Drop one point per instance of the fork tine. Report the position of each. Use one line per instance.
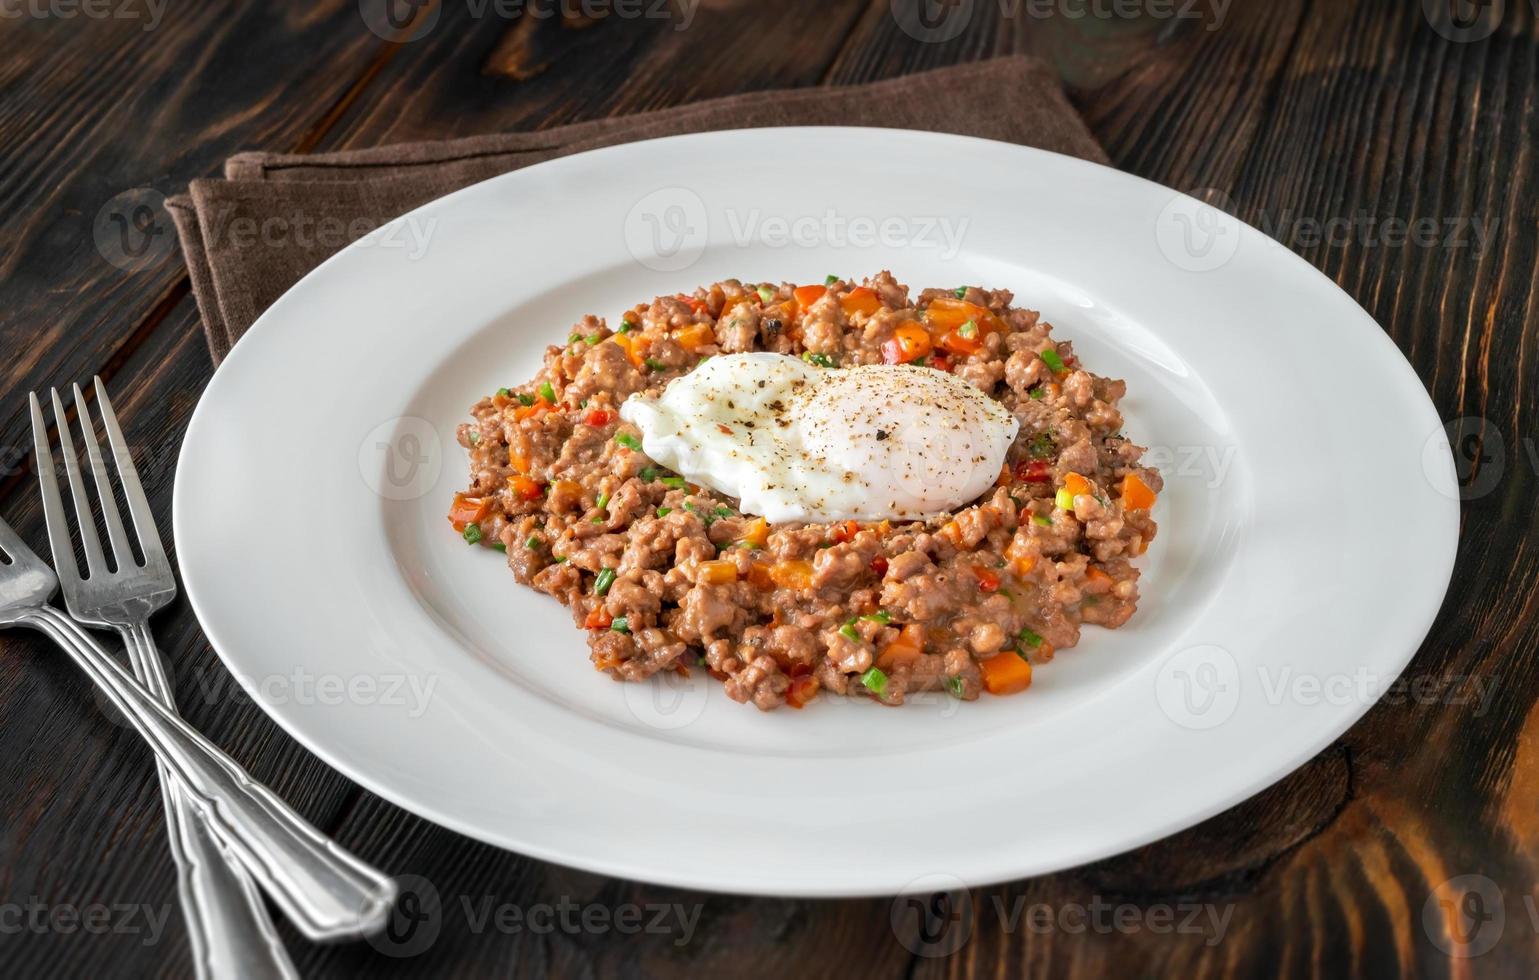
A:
(53, 502)
(11, 544)
(138, 505)
(122, 554)
(96, 562)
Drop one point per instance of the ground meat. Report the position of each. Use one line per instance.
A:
(663, 575)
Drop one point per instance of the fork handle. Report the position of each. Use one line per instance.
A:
(326, 891)
(228, 925)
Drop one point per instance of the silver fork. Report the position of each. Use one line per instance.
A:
(326, 891)
(228, 925)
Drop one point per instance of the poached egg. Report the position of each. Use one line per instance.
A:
(795, 442)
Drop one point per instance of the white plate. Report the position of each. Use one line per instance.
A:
(1306, 536)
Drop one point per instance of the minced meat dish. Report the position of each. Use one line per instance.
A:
(665, 575)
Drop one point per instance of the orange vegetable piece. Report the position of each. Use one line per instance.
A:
(1098, 576)
(759, 576)
(628, 344)
(909, 342)
(862, 299)
(717, 573)
(907, 648)
(1005, 673)
(792, 574)
(1136, 494)
(1077, 484)
(845, 532)
(988, 581)
(756, 533)
(946, 314)
(802, 690)
(524, 412)
(468, 510)
(695, 336)
(526, 488)
(807, 295)
(598, 619)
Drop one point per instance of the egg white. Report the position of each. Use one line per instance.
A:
(798, 443)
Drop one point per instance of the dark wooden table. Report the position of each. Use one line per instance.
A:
(1301, 111)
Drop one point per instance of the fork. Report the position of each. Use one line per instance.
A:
(327, 892)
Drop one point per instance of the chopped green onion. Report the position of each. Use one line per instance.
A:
(603, 501)
(1050, 355)
(724, 511)
(918, 362)
(820, 360)
(526, 400)
(654, 364)
(766, 294)
(830, 280)
(1036, 393)
(664, 511)
(590, 341)
(475, 437)
(574, 337)
(875, 681)
(548, 393)
(606, 578)
(649, 473)
(1042, 446)
(561, 560)
(499, 546)
(969, 329)
(954, 685)
(677, 482)
(1064, 499)
(505, 392)
(849, 632)
(1030, 638)
(626, 326)
(620, 625)
(534, 542)
(472, 533)
(881, 617)
(628, 441)
(961, 292)
(707, 519)
(1044, 521)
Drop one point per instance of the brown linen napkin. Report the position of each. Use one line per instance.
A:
(250, 236)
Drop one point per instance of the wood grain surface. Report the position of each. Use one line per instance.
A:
(1408, 848)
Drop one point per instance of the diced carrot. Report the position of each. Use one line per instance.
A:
(524, 412)
(526, 488)
(696, 304)
(598, 619)
(1005, 673)
(1004, 476)
(1024, 565)
(599, 417)
(909, 342)
(953, 342)
(988, 580)
(862, 299)
(756, 533)
(519, 461)
(632, 350)
(695, 336)
(802, 690)
(1077, 485)
(895, 653)
(1098, 576)
(946, 314)
(807, 295)
(792, 574)
(759, 576)
(1136, 494)
(717, 573)
(843, 533)
(468, 510)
